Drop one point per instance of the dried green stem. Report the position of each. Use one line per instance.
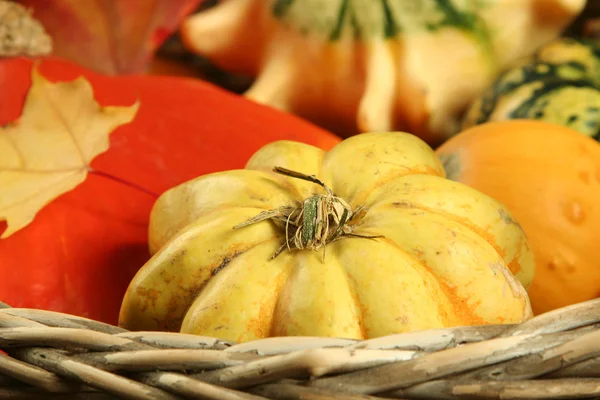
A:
(315, 222)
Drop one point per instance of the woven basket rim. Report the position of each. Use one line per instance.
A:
(552, 355)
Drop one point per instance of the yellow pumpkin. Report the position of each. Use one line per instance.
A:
(442, 257)
(366, 65)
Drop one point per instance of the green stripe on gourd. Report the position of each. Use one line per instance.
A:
(366, 19)
(582, 52)
(560, 84)
(571, 104)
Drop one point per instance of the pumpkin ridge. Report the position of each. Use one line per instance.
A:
(316, 292)
(459, 314)
(183, 204)
(352, 285)
(304, 158)
(480, 212)
(270, 314)
(359, 200)
(272, 328)
(255, 325)
(194, 291)
(361, 310)
(225, 208)
(421, 263)
(449, 279)
(462, 221)
(172, 260)
(204, 214)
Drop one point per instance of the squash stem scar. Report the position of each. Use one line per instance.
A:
(314, 222)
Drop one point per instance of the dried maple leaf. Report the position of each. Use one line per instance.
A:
(48, 151)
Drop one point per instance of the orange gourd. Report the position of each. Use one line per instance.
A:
(366, 65)
(549, 178)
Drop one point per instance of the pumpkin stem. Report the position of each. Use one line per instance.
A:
(315, 222)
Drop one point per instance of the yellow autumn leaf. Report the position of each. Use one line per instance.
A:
(48, 150)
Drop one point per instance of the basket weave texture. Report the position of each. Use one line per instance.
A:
(51, 355)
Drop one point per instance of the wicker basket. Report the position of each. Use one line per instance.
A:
(57, 356)
(51, 355)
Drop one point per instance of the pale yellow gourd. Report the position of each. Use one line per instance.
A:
(374, 65)
(445, 258)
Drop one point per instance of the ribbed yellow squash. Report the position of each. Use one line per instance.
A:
(445, 258)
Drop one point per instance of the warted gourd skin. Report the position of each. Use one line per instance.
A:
(560, 84)
(363, 65)
(400, 248)
(548, 175)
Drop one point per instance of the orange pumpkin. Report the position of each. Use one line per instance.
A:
(549, 178)
(81, 251)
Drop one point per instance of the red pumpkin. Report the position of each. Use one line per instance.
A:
(81, 250)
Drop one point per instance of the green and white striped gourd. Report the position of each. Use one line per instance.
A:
(559, 84)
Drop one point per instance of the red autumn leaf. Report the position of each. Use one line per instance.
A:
(81, 250)
(109, 36)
